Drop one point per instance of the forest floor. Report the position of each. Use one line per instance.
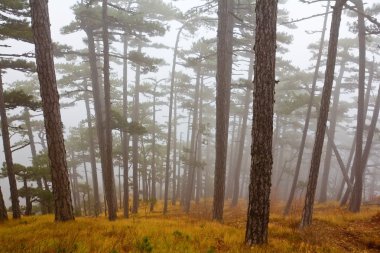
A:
(334, 229)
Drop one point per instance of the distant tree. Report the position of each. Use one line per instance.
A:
(3, 210)
(308, 115)
(307, 213)
(223, 93)
(262, 128)
(51, 109)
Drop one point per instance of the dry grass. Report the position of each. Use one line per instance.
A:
(334, 230)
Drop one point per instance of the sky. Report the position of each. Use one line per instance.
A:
(61, 15)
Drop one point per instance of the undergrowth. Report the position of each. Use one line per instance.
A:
(334, 230)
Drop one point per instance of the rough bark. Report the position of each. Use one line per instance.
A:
(307, 120)
(223, 93)
(8, 155)
(109, 183)
(332, 119)
(51, 110)
(262, 128)
(307, 213)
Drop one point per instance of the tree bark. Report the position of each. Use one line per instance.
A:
(51, 110)
(262, 128)
(333, 116)
(109, 173)
(307, 120)
(307, 213)
(8, 155)
(3, 209)
(223, 93)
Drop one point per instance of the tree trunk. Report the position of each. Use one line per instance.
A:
(8, 155)
(232, 147)
(135, 139)
(192, 156)
(307, 120)
(223, 93)
(307, 213)
(247, 100)
(172, 87)
(125, 138)
(199, 147)
(356, 196)
(153, 197)
(95, 184)
(51, 109)
(333, 116)
(262, 128)
(109, 173)
(88, 188)
(355, 200)
(3, 209)
(175, 174)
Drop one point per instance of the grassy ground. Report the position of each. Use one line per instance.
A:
(334, 230)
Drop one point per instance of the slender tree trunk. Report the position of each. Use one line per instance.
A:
(307, 120)
(75, 188)
(109, 173)
(125, 138)
(232, 147)
(356, 196)
(192, 159)
(135, 139)
(95, 184)
(171, 96)
(8, 155)
(307, 213)
(223, 93)
(187, 167)
(3, 209)
(262, 128)
(356, 201)
(199, 147)
(28, 203)
(175, 175)
(88, 188)
(333, 116)
(247, 100)
(153, 197)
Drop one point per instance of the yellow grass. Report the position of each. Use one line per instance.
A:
(334, 230)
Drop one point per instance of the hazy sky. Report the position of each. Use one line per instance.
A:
(61, 14)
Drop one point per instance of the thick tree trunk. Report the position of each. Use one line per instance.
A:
(262, 129)
(356, 196)
(8, 155)
(307, 120)
(307, 213)
(333, 119)
(95, 184)
(223, 93)
(3, 209)
(125, 137)
(51, 109)
(239, 160)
